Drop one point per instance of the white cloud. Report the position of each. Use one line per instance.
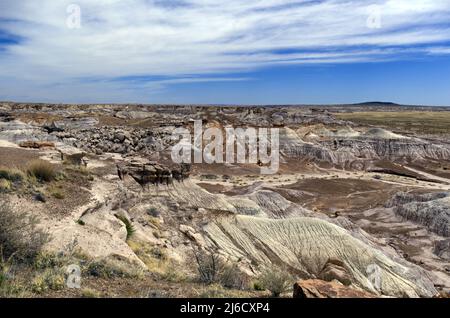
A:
(439, 50)
(190, 39)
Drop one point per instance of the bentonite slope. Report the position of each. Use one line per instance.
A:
(306, 244)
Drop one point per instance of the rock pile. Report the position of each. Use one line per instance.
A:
(117, 140)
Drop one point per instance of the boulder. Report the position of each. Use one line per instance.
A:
(335, 269)
(120, 136)
(192, 235)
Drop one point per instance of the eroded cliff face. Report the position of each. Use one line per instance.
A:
(358, 150)
(430, 210)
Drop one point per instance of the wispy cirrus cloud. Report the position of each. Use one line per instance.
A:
(199, 40)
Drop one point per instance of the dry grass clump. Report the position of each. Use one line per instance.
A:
(157, 261)
(42, 170)
(5, 185)
(213, 270)
(11, 174)
(19, 236)
(49, 279)
(57, 191)
(218, 291)
(110, 268)
(90, 293)
(275, 280)
(20, 244)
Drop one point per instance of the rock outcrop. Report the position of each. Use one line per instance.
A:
(442, 249)
(146, 172)
(430, 210)
(315, 288)
(352, 149)
(17, 131)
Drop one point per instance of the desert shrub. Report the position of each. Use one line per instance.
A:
(153, 212)
(257, 286)
(155, 258)
(13, 175)
(214, 291)
(42, 170)
(5, 185)
(19, 236)
(209, 267)
(276, 281)
(46, 260)
(111, 269)
(232, 277)
(90, 293)
(218, 291)
(39, 196)
(172, 274)
(57, 194)
(10, 287)
(130, 228)
(212, 269)
(158, 253)
(50, 279)
(102, 270)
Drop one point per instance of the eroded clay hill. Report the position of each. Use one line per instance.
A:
(359, 206)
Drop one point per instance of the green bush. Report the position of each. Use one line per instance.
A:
(158, 253)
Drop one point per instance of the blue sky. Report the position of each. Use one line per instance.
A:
(233, 52)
